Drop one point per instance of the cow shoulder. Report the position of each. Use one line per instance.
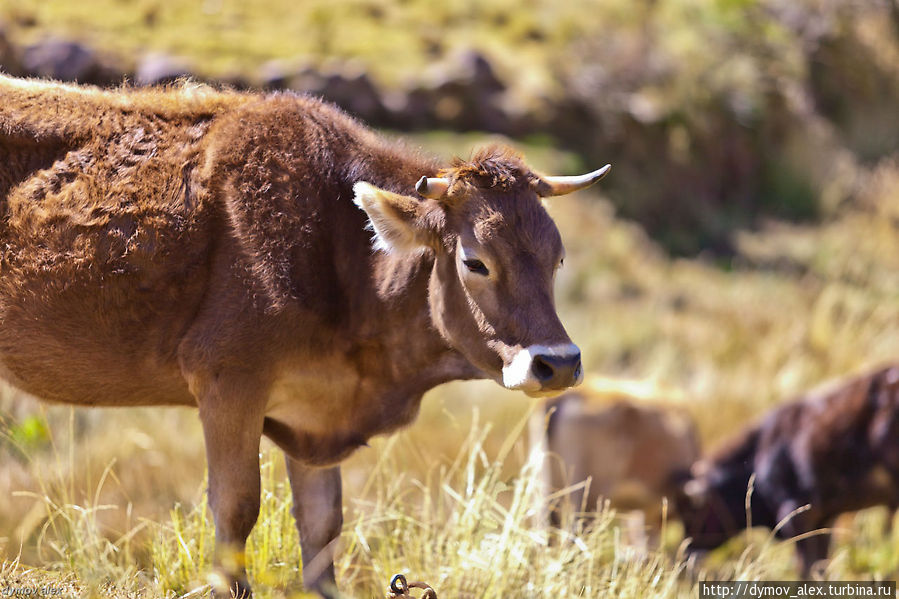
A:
(275, 169)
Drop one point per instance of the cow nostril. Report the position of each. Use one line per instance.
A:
(541, 369)
(556, 371)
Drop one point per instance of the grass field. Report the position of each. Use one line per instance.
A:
(110, 502)
(393, 41)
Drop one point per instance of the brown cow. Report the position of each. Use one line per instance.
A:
(194, 247)
(834, 451)
(632, 450)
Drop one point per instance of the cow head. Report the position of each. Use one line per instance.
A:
(496, 253)
(711, 501)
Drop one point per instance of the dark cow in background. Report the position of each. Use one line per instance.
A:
(194, 247)
(835, 451)
(630, 447)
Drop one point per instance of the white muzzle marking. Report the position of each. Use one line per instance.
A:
(519, 375)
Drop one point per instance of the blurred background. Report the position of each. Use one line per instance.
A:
(744, 248)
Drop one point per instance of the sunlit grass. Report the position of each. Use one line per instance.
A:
(466, 527)
(89, 495)
(182, 549)
(222, 37)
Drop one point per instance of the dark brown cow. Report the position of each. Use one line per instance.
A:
(193, 247)
(834, 451)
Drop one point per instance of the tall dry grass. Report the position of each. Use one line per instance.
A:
(466, 528)
(89, 495)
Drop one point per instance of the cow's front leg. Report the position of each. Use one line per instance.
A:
(813, 551)
(318, 511)
(232, 426)
(812, 540)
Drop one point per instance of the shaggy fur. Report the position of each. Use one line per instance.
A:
(493, 167)
(196, 247)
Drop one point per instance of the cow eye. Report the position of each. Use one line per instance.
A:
(476, 266)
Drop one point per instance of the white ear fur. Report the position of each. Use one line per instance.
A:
(391, 217)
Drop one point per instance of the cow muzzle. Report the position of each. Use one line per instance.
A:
(540, 370)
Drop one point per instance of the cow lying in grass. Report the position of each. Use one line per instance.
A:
(214, 249)
(833, 451)
(630, 451)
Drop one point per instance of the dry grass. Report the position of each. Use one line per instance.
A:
(90, 494)
(110, 503)
(466, 528)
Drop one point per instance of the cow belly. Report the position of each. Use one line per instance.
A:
(118, 383)
(10, 377)
(90, 345)
(99, 327)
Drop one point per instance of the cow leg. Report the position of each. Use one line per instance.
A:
(811, 549)
(892, 515)
(318, 511)
(634, 523)
(232, 428)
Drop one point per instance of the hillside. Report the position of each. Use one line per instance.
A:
(744, 248)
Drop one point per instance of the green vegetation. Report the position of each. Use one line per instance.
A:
(717, 112)
(393, 41)
(798, 305)
(709, 110)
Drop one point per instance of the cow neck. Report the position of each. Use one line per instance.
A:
(402, 298)
(396, 305)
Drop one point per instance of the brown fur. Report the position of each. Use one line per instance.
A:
(194, 247)
(835, 450)
(492, 167)
(633, 453)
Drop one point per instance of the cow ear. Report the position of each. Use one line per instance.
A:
(399, 222)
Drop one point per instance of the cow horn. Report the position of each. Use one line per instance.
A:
(557, 186)
(432, 187)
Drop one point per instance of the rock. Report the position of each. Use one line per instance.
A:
(460, 104)
(355, 93)
(469, 69)
(475, 67)
(308, 80)
(157, 69)
(461, 93)
(65, 60)
(9, 61)
(233, 80)
(410, 110)
(275, 74)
